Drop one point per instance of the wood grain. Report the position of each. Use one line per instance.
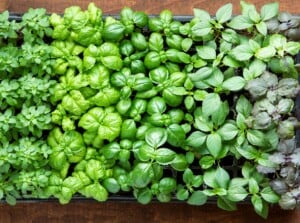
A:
(124, 212)
(178, 7)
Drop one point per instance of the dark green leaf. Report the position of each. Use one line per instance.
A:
(226, 204)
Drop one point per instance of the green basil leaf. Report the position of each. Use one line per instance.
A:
(197, 198)
(186, 44)
(182, 194)
(206, 52)
(196, 139)
(265, 53)
(214, 144)
(156, 137)
(113, 32)
(176, 135)
(159, 75)
(155, 24)
(248, 152)
(201, 14)
(234, 83)
(240, 22)
(96, 191)
(112, 62)
(224, 13)
(209, 178)
(145, 153)
(244, 106)
(156, 105)
(226, 204)
(253, 186)
(164, 156)
(269, 11)
(216, 78)
(242, 52)
(260, 207)
(292, 47)
(211, 104)
(228, 131)
(236, 193)
(269, 195)
(220, 115)
(144, 195)
(179, 163)
(156, 42)
(111, 185)
(140, 19)
(202, 124)
(188, 176)
(141, 175)
(200, 75)
(262, 28)
(167, 185)
(201, 28)
(206, 162)
(222, 178)
(257, 138)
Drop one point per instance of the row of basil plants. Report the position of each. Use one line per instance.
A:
(151, 107)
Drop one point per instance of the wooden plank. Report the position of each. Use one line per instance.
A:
(178, 7)
(121, 212)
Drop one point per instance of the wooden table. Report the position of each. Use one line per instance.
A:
(123, 212)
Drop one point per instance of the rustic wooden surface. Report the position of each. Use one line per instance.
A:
(179, 7)
(122, 212)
